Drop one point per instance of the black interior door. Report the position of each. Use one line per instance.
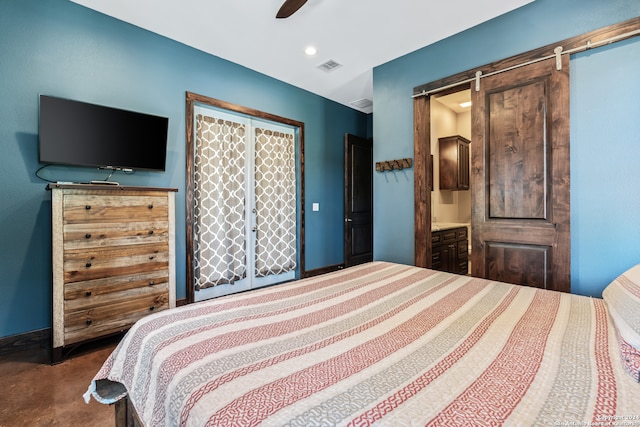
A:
(358, 200)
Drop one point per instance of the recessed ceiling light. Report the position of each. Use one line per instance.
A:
(310, 51)
(465, 104)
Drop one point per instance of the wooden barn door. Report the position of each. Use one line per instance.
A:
(520, 176)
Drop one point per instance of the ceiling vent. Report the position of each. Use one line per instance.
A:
(329, 66)
(362, 103)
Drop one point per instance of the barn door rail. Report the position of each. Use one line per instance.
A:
(557, 54)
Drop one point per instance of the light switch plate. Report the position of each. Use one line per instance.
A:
(316, 207)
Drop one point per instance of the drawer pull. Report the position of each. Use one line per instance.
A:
(150, 232)
(151, 257)
(87, 207)
(151, 282)
(88, 265)
(87, 236)
(87, 294)
(88, 322)
(150, 206)
(152, 308)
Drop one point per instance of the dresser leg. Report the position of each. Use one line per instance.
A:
(56, 355)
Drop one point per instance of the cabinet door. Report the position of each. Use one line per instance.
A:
(450, 253)
(454, 163)
(436, 258)
(463, 257)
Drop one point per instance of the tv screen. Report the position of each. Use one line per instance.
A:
(82, 134)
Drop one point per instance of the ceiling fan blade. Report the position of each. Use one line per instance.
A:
(289, 7)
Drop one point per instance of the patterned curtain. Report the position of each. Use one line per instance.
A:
(275, 188)
(219, 229)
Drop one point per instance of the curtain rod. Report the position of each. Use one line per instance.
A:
(557, 53)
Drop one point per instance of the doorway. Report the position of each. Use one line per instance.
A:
(358, 200)
(451, 201)
(244, 198)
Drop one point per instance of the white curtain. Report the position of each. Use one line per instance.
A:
(219, 229)
(275, 193)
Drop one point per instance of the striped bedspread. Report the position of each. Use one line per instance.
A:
(376, 344)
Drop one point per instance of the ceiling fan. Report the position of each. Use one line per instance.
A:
(289, 7)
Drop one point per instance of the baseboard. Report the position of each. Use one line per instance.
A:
(40, 338)
(25, 341)
(323, 270)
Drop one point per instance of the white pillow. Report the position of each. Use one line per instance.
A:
(623, 301)
(622, 297)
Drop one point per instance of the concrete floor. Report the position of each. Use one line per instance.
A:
(34, 393)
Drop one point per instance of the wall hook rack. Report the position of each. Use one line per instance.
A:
(390, 165)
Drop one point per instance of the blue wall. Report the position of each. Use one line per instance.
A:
(605, 134)
(59, 48)
(605, 165)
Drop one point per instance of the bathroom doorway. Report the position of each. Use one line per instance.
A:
(450, 116)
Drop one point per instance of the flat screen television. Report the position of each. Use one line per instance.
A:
(81, 134)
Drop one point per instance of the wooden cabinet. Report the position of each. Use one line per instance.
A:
(449, 250)
(454, 163)
(113, 259)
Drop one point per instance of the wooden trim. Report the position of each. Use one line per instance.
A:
(57, 264)
(595, 36)
(25, 341)
(189, 197)
(191, 100)
(422, 122)
(201, 99)
(323, 270)
(171, 207)
(422, 181)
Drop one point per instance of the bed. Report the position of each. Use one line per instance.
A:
(384, 344)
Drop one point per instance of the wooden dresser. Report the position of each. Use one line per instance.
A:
(113, 259)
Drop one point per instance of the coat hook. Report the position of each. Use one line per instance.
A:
(391, 165)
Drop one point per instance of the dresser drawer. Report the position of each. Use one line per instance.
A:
(81, 265)
(109, 299)
(101, 208)
(91, 235)
(104, 319)
(449, 236)
(93, 288)
(436, 238)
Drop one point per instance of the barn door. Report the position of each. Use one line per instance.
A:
(520, 176)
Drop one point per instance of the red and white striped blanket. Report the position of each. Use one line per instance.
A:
(376, 344)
